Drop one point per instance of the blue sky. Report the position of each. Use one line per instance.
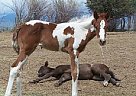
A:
(3, 8)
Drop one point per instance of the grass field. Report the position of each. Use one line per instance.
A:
(120, 56)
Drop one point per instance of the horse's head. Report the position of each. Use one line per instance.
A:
(44, 70)
(100, 23)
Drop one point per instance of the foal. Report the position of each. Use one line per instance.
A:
(98, 72)
(69, 37)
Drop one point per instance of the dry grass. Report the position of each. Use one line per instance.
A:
(120, 56)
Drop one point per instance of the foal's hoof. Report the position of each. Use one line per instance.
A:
(105, 83)
(56, 84)
(31, 82)
(117, 84)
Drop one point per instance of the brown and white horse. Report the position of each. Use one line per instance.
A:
(69, 37)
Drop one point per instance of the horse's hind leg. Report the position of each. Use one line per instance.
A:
(16, 68)
(14, 72)
(107, 78)
(65, 77)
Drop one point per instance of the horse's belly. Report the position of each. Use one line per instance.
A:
(49, 47)
(85, 76)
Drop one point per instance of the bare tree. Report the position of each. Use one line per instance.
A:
(19, 8)
(54, 11)
(26, 10)
(64, 10)
(37, 9)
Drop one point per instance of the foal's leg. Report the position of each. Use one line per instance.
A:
(14, 71)
(41, 78)
(107, 78)
(18, 81)
(65, 77)
(74, 71)
(114, 82)
(97, 78)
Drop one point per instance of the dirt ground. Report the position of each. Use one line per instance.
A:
(120, 56)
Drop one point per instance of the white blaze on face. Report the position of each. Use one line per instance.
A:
(102, 30)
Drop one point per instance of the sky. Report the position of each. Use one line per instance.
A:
(4, 9)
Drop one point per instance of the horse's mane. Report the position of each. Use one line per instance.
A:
(81, 19)
(84, 21)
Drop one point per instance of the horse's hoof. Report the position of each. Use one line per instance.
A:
(79, 89)
(105, 83)
(117, 84)
(56, 84)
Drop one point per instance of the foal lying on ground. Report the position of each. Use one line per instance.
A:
(98, 72)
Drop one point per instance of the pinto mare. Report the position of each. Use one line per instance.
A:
(69, 37)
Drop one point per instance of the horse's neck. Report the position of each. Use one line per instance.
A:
(90, 35)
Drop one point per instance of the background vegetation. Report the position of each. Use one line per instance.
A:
(122, 12)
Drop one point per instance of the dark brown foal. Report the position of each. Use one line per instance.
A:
(62, 73)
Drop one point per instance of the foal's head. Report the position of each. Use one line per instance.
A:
(44, 70)
(100, 23)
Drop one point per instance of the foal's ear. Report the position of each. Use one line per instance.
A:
(95, 14)
(46, 64)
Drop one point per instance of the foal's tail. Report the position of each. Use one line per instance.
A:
(15, 40)
(113, 75)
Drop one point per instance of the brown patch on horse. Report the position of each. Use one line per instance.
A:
(52, 26)
(47, 39)
(84, 42)
(69, 30)
(68, 45)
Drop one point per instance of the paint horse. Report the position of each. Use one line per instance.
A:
(97, 72)
(71, 37)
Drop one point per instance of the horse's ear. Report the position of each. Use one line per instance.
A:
(46, 64)
(95, 15)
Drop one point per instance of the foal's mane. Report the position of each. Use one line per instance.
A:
(84, 21)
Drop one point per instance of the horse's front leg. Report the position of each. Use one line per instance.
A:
(14, 72)
(74, 71)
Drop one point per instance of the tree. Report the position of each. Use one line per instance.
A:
(115, 8)
(36, 9)
(64, 10)
(26, 10)
(57, 11)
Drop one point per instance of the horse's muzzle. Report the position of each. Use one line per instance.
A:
(102, 43)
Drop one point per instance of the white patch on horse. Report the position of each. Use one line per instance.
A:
(13, 73)
(102, 30)
(32, 22)
(92, 28)
(79, 33)
(105, 83)
(74, 83)
(74, 88)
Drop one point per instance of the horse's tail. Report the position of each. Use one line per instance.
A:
(15, 39)
(113, 75)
